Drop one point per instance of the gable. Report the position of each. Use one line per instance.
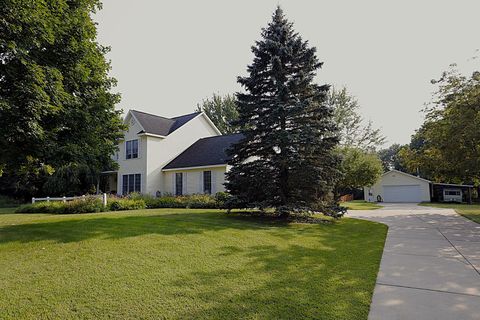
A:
(160, 126)
(398, 178)
(403, 176)
(133, 129)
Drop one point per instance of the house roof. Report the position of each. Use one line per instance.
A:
(160, 125)
(205, 152)
(434, 183)
(407, 174)
(453, 185)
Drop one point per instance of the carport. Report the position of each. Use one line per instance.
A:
(439, 191)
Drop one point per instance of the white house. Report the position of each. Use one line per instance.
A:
(181, 155)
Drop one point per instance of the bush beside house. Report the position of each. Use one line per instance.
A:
(132, 202)
(89, 205)
(121, 204)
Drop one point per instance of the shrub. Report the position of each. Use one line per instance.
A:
(202, 201)
(194, 201)
(118, 204)
(134, 201)
(139, 196)
(42, 207)
(199, 201)
(6, 202)
(222, 198)
(88, 205)
(165, 202)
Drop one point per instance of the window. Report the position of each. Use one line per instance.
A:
(137, 183)
(452, 192)
(178, 183)
(131, 149)
(207, 182)
(131, 183)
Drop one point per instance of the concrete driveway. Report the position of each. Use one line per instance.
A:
(430, 266)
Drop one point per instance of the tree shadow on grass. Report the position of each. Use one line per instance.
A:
(312, 271)
(74, 229)
(296, 282)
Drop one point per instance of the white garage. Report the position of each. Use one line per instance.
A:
(397, 186)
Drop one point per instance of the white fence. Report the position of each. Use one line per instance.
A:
(65, 199)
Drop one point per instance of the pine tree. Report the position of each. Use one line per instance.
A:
(286, 159)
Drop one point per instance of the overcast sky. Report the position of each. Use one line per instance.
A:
(169, 55)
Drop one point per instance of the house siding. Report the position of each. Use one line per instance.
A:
(162, 151)
(193, 180)
(132, 166)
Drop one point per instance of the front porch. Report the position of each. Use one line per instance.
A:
(109, 182)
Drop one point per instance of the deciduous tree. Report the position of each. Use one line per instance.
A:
(447, 146)
(359, 168)
(222, 111)
(391, 158)
(354, 131)
(56, 104)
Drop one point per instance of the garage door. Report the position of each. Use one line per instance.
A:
(409, 193)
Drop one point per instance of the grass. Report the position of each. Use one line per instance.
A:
(360, 205)
(179, 263)
(469, 211)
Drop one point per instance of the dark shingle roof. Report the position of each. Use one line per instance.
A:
(205, 152)
(161, 125)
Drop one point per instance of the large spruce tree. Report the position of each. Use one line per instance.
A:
(58, 121)
(286, 159)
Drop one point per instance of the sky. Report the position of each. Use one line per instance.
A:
(170, 55)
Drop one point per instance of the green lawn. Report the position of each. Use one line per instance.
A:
(184, 264)
(470, 211)
(360, 205)
(6, 210)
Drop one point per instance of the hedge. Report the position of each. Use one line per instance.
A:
(119, 204)
(132, 202)
(89, 205)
